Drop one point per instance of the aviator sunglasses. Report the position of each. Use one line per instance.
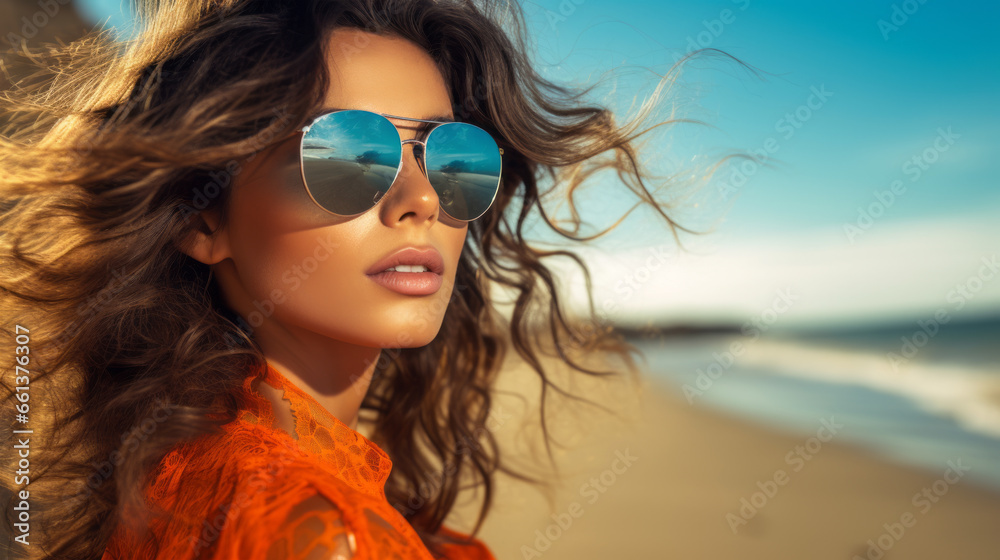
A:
(350, 158)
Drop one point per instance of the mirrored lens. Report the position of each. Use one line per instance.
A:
(463, 166)
(350, 159)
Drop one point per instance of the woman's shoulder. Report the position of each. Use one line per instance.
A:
(319, 527)
(249, 492)
(204, 492)
(466, 547)
(272, 500)
(223, 459)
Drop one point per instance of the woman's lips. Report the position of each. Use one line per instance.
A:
(403, 281)
(409, 283)
(426, 256)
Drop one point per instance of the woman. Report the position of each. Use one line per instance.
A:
(259, 227)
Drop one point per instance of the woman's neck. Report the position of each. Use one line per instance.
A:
(336, 374)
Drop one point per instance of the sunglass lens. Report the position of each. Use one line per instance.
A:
(463, 166)
(349, 160)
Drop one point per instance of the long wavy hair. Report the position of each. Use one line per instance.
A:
(110, 147)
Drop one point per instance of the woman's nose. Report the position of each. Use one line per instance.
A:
(412, 193)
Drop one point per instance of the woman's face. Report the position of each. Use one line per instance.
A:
(283, 259)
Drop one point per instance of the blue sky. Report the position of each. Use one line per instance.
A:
(889, 96)
(892, 92)
(894, 89)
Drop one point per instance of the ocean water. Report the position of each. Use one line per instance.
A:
(922, 405)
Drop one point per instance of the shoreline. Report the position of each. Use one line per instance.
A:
(670, 479)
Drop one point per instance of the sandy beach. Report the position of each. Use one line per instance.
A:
(665, 479)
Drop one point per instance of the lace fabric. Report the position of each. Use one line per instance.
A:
(255, 491)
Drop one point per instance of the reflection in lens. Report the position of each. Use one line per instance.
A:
(349, 160)
(463, 165)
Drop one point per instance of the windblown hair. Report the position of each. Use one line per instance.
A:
(111, 147)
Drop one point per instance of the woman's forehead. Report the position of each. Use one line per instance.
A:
(387, 75)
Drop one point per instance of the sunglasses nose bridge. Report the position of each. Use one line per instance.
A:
(419, 157)
(414, 141)
(421, 165)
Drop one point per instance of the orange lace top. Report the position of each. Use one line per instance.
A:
(256, 492)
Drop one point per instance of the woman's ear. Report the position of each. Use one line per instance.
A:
(206, 243)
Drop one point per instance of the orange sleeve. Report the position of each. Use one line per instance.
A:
(317, 528)
(314, 528)
(265, 500)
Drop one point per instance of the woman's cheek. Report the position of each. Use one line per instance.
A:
(312, 266)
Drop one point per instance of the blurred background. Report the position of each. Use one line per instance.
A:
(823, 363)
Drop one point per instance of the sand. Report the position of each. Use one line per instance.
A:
(672, 480)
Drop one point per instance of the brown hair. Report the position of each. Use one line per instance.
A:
(111, 147)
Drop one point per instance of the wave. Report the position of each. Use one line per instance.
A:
(968, 394)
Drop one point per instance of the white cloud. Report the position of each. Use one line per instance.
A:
(894, 270)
